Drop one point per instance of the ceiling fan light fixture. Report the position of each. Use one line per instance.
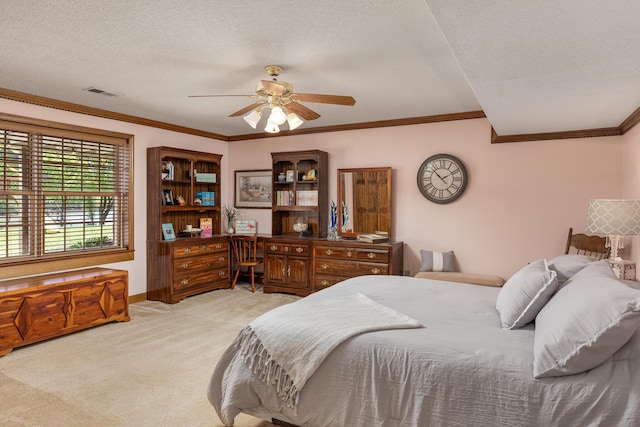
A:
(278, 116)
(271, 127)
(294, 121)
(253, 118)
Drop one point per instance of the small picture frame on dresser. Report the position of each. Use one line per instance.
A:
(167, 232)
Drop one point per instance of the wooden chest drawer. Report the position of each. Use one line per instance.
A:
(323, 281)
(373, 255)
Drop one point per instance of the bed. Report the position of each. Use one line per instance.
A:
(463, 368)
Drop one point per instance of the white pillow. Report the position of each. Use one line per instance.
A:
(584, 323)
(525, 293)
(568, 265)
(437, 261)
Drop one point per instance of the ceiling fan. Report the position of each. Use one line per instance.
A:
(283, 102)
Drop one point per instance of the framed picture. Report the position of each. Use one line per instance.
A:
(167, 197)
(290, 175)
(167, 232)
(253, 189)
(246, 226)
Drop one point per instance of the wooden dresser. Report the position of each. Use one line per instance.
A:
(335, 261)
(305, 265)
(37, 308)
(186, 267)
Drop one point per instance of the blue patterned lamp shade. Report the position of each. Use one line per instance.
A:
(614, 217)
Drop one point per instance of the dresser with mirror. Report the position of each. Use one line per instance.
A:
(306, 264)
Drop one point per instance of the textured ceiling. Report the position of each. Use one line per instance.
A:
(538, 66)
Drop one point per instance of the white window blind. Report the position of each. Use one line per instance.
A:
(63, 193)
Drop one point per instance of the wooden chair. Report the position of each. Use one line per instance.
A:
(245, 254)
(584, 244)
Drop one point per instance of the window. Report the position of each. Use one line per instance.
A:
(65, 196)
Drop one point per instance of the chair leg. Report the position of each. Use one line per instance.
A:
(235, 279)
(253, 286)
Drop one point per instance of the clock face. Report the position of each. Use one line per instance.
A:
(442, 178)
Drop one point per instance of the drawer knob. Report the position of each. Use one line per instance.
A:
(222, 258)
(185, 265)
(324, 282)
(371, 255)
(328, 252)
(375, 270)
(185, 281)
(286, 248)
(324, 266)
(274, 247)
(349, 254)
(299, 249)
(187, 251)
(222, 273)
(218, 246)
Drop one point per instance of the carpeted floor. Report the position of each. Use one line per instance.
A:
(151, 371)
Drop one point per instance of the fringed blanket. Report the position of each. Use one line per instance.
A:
(286, 345)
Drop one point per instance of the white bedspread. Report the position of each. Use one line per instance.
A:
(285, 346)
(461, 369)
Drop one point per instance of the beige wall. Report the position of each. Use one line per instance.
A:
(521, 199)
(631, 183)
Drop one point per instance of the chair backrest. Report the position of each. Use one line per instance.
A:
(245, 248)
(584, 244)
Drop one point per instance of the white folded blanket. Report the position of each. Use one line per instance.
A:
(286, 345)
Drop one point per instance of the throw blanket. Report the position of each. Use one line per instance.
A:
(286, 345)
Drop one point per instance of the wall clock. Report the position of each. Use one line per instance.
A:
(442, 178)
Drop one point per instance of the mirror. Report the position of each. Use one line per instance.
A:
(364, 195)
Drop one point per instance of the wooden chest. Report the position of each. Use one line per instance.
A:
(37, 308)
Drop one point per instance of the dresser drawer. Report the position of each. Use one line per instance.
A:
(199, 278)
(202, 262)
(201, 249)
(323, 281)
(349, 269)
(287, 248)
(335, 252)
(373, 255)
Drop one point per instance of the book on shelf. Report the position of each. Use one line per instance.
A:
(307, 198)
(206, 227)
(208, 198)
(205, 177)
(373, 238)
(284, 198)
(167, 170)
(167, 232)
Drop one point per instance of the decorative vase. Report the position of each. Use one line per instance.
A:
(332, 234)
(230, 230)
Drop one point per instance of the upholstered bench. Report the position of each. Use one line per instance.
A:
(476, 279)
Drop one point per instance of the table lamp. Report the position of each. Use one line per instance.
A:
(614, 218)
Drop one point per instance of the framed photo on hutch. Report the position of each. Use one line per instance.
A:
(167, 197)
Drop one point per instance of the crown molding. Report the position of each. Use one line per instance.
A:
(42, 101)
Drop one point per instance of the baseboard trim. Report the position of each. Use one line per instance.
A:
(137, 298)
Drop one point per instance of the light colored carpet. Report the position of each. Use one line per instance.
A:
(151, 371)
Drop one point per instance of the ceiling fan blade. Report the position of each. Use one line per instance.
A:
(301, 110)
(220, 96)
(247, 109)
(275, 87)
(324, 99)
